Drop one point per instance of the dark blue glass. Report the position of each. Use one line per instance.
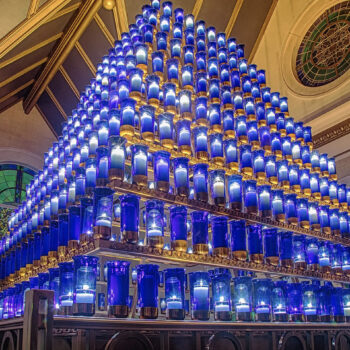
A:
(250, 197)
(234, 187)
(255, 244)
(271, 246)
(290, 207)
(66, 285)
(219, 234)
(200, 181)
(118, 286)
(129, 213)
(262, 298)
(243, 296)
(312, 251)
(199, 290)
(294, 299)
(221, 291)
(54, 283)
(44, 280)
(178, 227)
(74, 223)
(199, 228)
(175, 292)
(299, 254)
(147, 282)
(238, 239)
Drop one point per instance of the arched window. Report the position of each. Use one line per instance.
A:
(13, 181)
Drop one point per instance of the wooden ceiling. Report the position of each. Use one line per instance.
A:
(49, 57)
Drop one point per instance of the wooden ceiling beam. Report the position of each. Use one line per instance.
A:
(30, 50)
(80, 23)
(64, 11)
(22, 72)
(122, 16)
(116, 22)
(233, 18)
(29, 25)
(33, 7)
(104, 29)
(262, 30)
(196, 8)
(14, 92)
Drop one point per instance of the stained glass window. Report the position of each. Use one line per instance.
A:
(13, 181)
(324, 53)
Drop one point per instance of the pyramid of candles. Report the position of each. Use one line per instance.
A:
(179, 146)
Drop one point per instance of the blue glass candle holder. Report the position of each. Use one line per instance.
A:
(219, 236)
(141, 54)
(250, 197)
(54, 284)
(259, 164)
(290, 208)
(271, 169)
(243, 298)
(214, 118)
(62, 234)
(180, 166)
(324, 189)
(245, 159)
(325, 305)
(334, 221)
(199, 221)
(283, 174)
(241, 129)
(228, 123)
(231, 154)
(147, 115)
(118, 288)
(271, 246)
(314, 217)
(201, 89)
(187, 77)
(183, 133)
(324, 257)
(200, 182)
(73, 227)
(336, 258)
(135, 79)
(178, 228)
(287, 148)
(199, 290)
(331, 167)
(279, 301)
(103, 212)
(66, 287)
(155, 223)
(152, 90)
(85, 271)
(127, 120)
(129, 213)
(262, 299)
(315, 161)
(175, 293)
(346, 304)
(255, 243)
(139, 164)
(253, 134)
(217, 186)
(337, 305)
(185, 104)
(310, 302)
(294, 301)
(312, 254)
(305, 181)
(238, 239)
(117, 155)
(169, 97)
(53, 246)
(221, 291)
(303, 212)
(294, 177)
(161, 165)
(147, 283)
(264, 201)
(234, 188)
(299, 254)
(216, 148)
(166, 130)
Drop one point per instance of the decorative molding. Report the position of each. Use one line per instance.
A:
(104, 29)
(29, 25)
(55, 101)
(233, 18)
(69, 81)
(30, 50)
(85, 57)
(116, 21)
(196, 8)
(14, 92)
(22, 72)
(122, 16)
(33, 7)
(80, 23)
(262, 30)
(331, 134)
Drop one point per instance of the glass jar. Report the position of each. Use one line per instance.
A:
(155, 223)
(178, 227)
(262, 299)
(243, 298)
(221, 291)
(199, 290)
(65, 295)
(219, 236)
(199, 221)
